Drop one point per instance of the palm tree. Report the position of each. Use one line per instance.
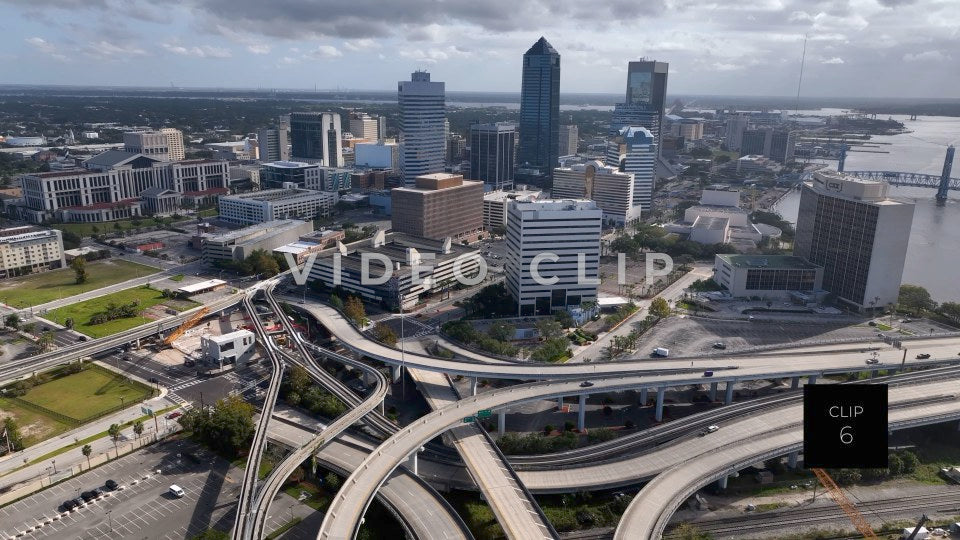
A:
(138, 428)
(114, 432)
(87, 450)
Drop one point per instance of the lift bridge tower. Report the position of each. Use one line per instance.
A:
(945, 175)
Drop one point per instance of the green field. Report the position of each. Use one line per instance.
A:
(88, 393)
(44, 287)
(34, 426)
(82, 311)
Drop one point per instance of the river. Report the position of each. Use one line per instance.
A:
(933, 254)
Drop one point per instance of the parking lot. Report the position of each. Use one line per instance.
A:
(143, 507)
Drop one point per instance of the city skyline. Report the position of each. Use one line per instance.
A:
(302, 44)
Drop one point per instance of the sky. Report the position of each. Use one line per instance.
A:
(855, 48)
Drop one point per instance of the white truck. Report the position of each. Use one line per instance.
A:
(662, 352)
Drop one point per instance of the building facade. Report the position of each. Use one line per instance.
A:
(439, 206)
(607, 186)
(24, 250)
(569, 140)
(568, 230)
(381, 155)
(364, 126)
(491, 154)
(539, 110)
(274, 204)
(645, 99)
(239, 244)
(495, 206)
(422, 106)
(316, 137)
(165, 144)
(273, 145)
(767, 276)
(858, 234)
(733, 136)
(110, 186)
(634, 151)
(277, 174)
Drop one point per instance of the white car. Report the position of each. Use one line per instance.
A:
(177, 491)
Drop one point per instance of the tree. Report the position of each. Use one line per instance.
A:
(87, 450)
(138, 428)
(894, 464)
(68, 323)
(114, 432)
(502, 331)
(355, 311)
(659, 308)
(335, 301)
(916, 299)
(29, 327)
(12, 431)
(45, 341)
(686, 531)
(332, 482)
(549, 329)
(12, 320)
(384, 334)
(79, 265)
(227, 428)
(910, 462)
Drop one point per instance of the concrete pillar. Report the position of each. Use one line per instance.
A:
(795, 383)
(582, 412)
(713, 391)
(412, 462)
(395, 373)
(643, 397)
(473, 386)
(812, 379)
(559, 403)
(722, 483)
(792, 459)
(501, 422)
(138, 343)
(659, 412)
(381, 407)
(728, 399)
(874, 374)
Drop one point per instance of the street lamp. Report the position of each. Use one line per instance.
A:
(110, 519)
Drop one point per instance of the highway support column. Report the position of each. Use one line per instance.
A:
(722, 483)
(792, 459)
(395, 373)
(473, 386)
(713, 391)
(795, 383)
(582, 413)
(659, 413)
(643, 397)
(728, 399)
(560, 403)
(412, 462)
(501, 422)
(812, 379)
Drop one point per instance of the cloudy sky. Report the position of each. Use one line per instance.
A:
(870, 48)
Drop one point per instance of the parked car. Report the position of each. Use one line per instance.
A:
(78, 502)
(81, 338)
(923, 356)
(88, 496)
(708, 374)
(68, 505)
(96, 492)
(720, 345)
(586, 384)
(872, 323)
(111, 485)
(872, 361)
(177, 491)
(174, 414)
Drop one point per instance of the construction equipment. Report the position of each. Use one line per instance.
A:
(838, 497)
(187, 324)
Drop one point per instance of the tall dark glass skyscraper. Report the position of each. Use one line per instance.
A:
(539, 112)
(645, 99)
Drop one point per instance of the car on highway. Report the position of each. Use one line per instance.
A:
(177, 491)
(708, 430)
(720, 345)
(923, 356)
(81, 338)
(111, 485)
(708, 374)
(586, 384)
(872, 361)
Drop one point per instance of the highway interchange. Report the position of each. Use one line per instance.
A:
(374, 467)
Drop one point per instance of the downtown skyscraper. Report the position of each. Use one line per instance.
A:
(539, 112)
(645, 98)
(315, 137)
(422, 114)
(491, 154)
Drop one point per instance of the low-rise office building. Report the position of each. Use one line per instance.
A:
(285, 203)
(24, 250)
(438, 206)
(239, 244)
(768, 276)
(276, 174)
(610, 188)
(495, 206)
(228, 348)
(438, 262)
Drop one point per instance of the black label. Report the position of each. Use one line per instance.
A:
(845, 425)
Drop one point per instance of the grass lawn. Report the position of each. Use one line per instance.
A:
(88, 393)
(81, 312)
(318, 498)
(44, 287)
(34, 427)
(209, 212)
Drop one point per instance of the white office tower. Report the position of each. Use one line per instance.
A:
(273, 145)
(165, 144)
(569, 140)
(422, 116)
(857, 234)
(563, 238)
(610, 188)
(634, 151)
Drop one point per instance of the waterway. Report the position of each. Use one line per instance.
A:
(933, 254)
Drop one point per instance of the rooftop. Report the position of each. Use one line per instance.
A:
(767, 261)
(711, 223)
(275, 226)
(290, 164)
(224, 338)
(202, 286)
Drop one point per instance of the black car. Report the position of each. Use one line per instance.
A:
(97, 492)
(78, 502)
(81, 338)
(923, 356)
(586, 384)
(68, 505)
(153, 380)
(88, 496)
(111, 485)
